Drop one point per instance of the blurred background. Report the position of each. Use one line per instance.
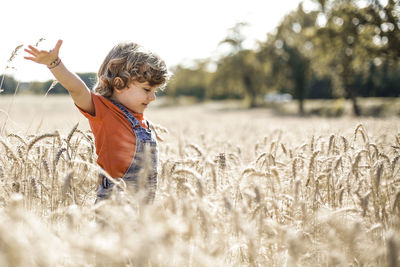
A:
(324, 58)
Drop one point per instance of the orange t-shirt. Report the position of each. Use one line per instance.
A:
(114, 138)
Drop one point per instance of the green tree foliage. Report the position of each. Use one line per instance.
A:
(8, 84)
(344, 48)
(319, 87)
(239, 75)
(88, 78)
(192, 81)
(289, 52)
(384, 21)
(351, 39)
(240, 72)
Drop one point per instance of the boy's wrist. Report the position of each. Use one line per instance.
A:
(54, 63)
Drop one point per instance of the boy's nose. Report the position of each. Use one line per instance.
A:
(152, 96)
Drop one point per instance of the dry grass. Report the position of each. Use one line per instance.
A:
(236, 188)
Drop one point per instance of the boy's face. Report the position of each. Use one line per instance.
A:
(136, 96)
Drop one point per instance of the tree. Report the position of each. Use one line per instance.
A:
(240, 69)
(190, 81)
(384, 20)
(89, 78)
(289, 52)
(8, 84)
(351, 37)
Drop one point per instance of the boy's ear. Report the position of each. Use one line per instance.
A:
(118, 83)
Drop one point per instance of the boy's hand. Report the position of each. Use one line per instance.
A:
(43, 56)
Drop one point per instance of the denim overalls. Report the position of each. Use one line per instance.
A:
(142, 172)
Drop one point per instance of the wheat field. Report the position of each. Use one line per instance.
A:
(236, 188)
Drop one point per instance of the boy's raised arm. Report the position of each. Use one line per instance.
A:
(78, 90)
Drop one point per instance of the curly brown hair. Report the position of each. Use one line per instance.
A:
(130, 62)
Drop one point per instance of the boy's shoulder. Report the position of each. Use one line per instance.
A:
(102, 106)
(101, 100)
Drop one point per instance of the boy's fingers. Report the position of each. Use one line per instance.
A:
(58, 45)
(33, 48)
(30, 58)
(30, 52)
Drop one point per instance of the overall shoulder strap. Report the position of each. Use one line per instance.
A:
(134, 122)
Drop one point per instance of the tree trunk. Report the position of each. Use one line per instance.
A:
(301, 106)
(253, 102)
(250, 90)
(300, 91)
(353, 98)
(347, 78)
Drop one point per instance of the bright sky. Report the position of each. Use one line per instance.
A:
(177, 30)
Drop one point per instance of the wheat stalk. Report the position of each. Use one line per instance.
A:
(331, 143)
(10, 153)
(58, 155)
(256, 211)
(196, 148)
(345, 144)
(19, 138)
(71, 133)
(311, 167)
(37, 139)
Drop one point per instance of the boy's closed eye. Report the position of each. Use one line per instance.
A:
(148, 90)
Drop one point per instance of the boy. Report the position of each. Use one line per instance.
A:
(126, 143)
